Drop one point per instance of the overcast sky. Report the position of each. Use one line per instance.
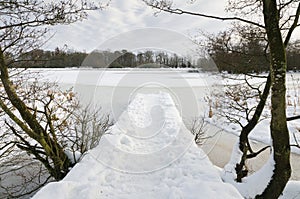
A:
(127, 15)
(122, 16)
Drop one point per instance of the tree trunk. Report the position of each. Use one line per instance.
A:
(279, 130)
(53, 150)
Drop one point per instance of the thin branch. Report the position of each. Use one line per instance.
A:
(180, 12)
(293, 118)
(294, 25)
(296, 140)
(295, 145)
(252, 155)
(283, 5)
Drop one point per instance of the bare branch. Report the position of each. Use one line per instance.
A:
(294, 25)
(252, 155)
(293, 118)
(167, 8)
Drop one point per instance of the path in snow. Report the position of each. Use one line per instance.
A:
(148, 153)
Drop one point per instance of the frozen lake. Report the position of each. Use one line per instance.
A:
(113, 90)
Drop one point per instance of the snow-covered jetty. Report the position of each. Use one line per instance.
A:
(148, 153)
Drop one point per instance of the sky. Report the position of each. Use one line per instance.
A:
(122, 16)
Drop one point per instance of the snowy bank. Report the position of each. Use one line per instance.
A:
(148, 153)
(256, 183)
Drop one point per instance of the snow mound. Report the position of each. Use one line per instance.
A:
(147, 154)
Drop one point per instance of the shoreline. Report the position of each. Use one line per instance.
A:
(219, 147)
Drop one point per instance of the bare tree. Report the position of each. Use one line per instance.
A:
(89, 126)
(238, 107)
(76, 130)
(34, 113)
(243, 49)
(21, 29)
(198, 127)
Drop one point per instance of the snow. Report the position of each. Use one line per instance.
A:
(73, 156)
(113, 77)
(291, 191)
(251, 185)
(148, 153)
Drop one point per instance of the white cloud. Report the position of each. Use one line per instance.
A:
(122, 16)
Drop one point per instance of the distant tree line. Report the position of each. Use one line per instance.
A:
(247, 55)
(124, 58)
(60, 58)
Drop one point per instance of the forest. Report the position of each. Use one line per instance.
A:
(244, 57)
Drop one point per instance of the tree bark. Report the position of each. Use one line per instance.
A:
(279, 130)
(53, 150)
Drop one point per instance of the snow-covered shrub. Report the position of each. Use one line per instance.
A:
(198, 128)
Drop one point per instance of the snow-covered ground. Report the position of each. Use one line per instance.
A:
(148, 153)
(139, 100)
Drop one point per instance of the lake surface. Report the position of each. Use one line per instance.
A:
(114, 89)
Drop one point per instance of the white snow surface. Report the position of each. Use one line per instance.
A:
(255, 184)
(143, 157)
(251, 185)
(113, 77)
(147, 154)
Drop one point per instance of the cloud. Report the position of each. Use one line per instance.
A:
(122, 16)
